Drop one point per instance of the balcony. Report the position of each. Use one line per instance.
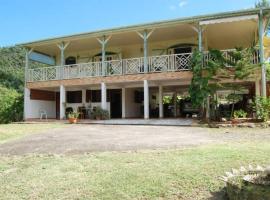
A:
(163, 63)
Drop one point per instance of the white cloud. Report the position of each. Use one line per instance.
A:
(182, 3)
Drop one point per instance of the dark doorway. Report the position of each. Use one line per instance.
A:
(116, 103)
(57, 105)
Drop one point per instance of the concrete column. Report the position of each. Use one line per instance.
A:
(200, 39)
(123, 103)
(26, 90)
(160, 101)
(84, 96)
(62, 102)
(26, 103)
(257, 88)
(103, 96)
(263, 70)
(146, 99)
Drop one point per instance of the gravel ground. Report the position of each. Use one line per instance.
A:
(83, 138)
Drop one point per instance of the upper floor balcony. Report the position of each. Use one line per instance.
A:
(163, 63)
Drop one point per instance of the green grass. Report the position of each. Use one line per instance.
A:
(15, 131)
(173, 174)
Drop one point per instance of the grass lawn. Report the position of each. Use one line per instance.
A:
(172, 174)
(15, 131)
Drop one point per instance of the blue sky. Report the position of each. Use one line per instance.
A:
(28, 20)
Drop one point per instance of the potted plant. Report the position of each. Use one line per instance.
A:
(73, 117)
(100, 114)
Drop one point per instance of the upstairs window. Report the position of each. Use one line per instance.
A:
(70, 61)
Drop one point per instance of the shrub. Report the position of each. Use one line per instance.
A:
(239, 114)
(74, 115)
(99, 113)
(262, 108)
(11, 105)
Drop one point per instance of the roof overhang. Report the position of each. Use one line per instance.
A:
(213, 18)
(229, 19)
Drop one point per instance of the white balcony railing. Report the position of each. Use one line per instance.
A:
(163, 63)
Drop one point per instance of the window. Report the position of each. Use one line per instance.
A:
(70, 60)
(74, 97)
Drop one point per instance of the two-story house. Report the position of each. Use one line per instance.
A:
(128, 70)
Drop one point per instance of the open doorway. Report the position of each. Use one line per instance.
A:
(116, 103)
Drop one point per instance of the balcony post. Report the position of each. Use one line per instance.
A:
(146, 99)
(200, 39)
(103, 41)
(103, 96)
(62, 102)
(263, 70)
(62, 46)
(145, 35)
(160, 101)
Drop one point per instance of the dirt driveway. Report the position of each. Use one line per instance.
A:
(75, 139)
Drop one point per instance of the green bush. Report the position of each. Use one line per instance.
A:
(11, 105)
(99, 113)
(262, 108)
(239, 114)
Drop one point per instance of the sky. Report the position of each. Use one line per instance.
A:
(29, 20)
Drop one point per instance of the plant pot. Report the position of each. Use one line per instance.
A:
(236, 121)
(72, 120)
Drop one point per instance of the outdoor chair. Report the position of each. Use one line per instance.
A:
(43, 114)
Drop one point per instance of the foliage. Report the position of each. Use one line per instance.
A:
(98, 112)
(198, 89)
(262, 4)
(73, 115)
(241, 61)
(12, 67)
(11, 105)
(239, 114)
(262, 108)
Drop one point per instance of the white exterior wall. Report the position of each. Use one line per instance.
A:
(35, 106)
(132, 108)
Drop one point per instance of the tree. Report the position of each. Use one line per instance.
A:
(262, 4)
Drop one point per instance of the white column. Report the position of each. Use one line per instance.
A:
(146, 99)
(26, 90)
(103, 96)
(123, 103)
(27, 106)
(160, 101)
(257, 88)
(62, 102)
(83, 96)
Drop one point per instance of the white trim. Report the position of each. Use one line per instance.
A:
(229, 19)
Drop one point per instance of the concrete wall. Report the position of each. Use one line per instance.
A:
(132, 108)
(36, 105)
